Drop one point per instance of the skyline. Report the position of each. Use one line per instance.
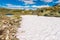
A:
(27, 4)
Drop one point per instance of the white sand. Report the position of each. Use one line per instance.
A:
(39, 28)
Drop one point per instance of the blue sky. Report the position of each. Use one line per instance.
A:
(27, 3)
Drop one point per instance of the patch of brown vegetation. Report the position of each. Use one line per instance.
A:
(8, 27)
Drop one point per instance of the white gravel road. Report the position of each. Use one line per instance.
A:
(39, 28)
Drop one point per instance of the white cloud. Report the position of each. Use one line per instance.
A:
(41, 6)
(58, 1)
(11, 6)
(28, 1)
(47, 0)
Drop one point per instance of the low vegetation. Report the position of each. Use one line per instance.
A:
(45, 11)
(9, 26)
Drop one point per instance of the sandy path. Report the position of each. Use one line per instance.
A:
(39, 28)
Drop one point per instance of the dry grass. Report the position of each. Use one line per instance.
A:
(8, 27)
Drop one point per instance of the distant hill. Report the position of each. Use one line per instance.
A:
(41, 11)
